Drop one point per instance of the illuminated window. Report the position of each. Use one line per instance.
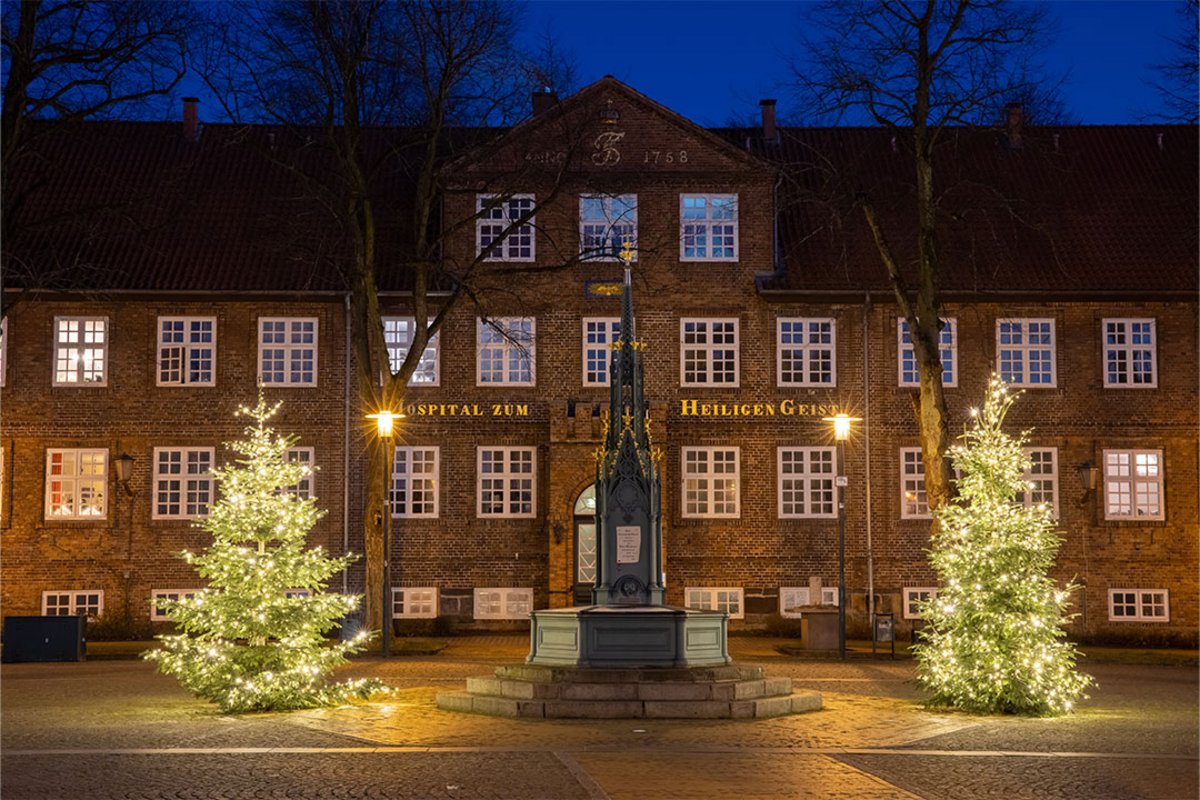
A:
(914, 503)
(503, 603)
(806, 355)
(183, 482)
(914, 597)
(80, 351)
(76, 484)
(806, 482)
(1042, 477)
(606, 224)
(414, 603)
(708, 227)
(506, 351)
(58, 603)
(287, 351)
(306, 456)
(1025, 352)
(505, 225)
(598, 334)
(159, 615)
(1130, 347)
(1133, 484)
(708, 352)
(948, 352)
(793, 598)
(711, 482)
(415, 482)
(187, 351)
(398, 334)
(507, 482)
(1139, 605)
(724, 598)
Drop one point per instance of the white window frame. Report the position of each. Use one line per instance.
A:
(1026, 349)
(911, 509)
(76, 599)
(307, 456)
(185, 352)
(692, 226)
(77, 353)
(184, 477)
(947, 350)
(156, 613)
(502, 602)
(495, 211)
(599, 333)
(3, 349)
(414, 602)
(1143, 598)
(1122, 327)
(704, 351)
(405, 482)
(616, 229)
(1041, 469)
(507, 479)
(504, 339)
(717, 598)
(704, 495)
(291, 350)
(1145, 485)
(75, 482)
(804, 350)
(912, 594)
(398, 335)
(806, 481)
(792, 597)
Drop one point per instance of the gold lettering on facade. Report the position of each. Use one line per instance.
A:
(467, 410)
(784, 408)
(607, 154)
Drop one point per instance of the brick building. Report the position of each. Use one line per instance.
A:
(1071, 269)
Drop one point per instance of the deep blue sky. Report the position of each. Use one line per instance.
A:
(709, 60)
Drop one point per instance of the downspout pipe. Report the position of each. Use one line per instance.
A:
(346, 449)
(866, 345)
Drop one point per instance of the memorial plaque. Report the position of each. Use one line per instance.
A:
(629, 544)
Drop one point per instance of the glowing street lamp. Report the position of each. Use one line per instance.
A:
(385, 426)
(841, 432)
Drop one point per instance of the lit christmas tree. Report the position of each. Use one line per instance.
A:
(994, 641)
(254, 640)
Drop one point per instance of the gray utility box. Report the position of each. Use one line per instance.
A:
(44, 639)
(818, 627)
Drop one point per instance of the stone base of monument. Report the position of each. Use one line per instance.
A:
(629, 662)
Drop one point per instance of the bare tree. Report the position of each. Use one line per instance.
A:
(921, 68)
(1177, 84)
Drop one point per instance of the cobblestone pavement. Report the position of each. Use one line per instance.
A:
(117, 730)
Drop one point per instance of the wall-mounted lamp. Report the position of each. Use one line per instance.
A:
(558, 532)
(125, 471)
(1089, 479)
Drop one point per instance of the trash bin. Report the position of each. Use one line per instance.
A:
(819, 627)
(44, 639)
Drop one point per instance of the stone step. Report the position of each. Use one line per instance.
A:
(543, 674)
(655, 690)
(758, 708)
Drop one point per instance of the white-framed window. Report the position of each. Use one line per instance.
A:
(806, 482)
(415, 473)
(3, 349)
(913, 597)
(599, 333)
(496, 215)
(503, 602)
(187, 351)
(302, 488)
(287, 351)
(414, 602)
(80, 351)
(914, 502)
(606, 224)
(807, 351)
(183, 482)
(708, 227)
(159, 615)
(711, 482)
(708, 352)
(1133, 484)
(507, 482)
(295, 593)
(1025, 352)
(947, 350)
(716, 598)
(1139, 605)
(1130, 353)
(1042, 478)
(506, 351)
(76, 484)
(793, 598)
(398, 333)
(68, 603)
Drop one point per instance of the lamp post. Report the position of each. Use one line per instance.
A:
(385, 424)
(841, 432)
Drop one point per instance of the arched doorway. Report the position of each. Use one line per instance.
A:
(585, 546)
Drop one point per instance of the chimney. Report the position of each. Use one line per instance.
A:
(191, 119)
(544, 99)
(1014, 120)
(769, 131)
